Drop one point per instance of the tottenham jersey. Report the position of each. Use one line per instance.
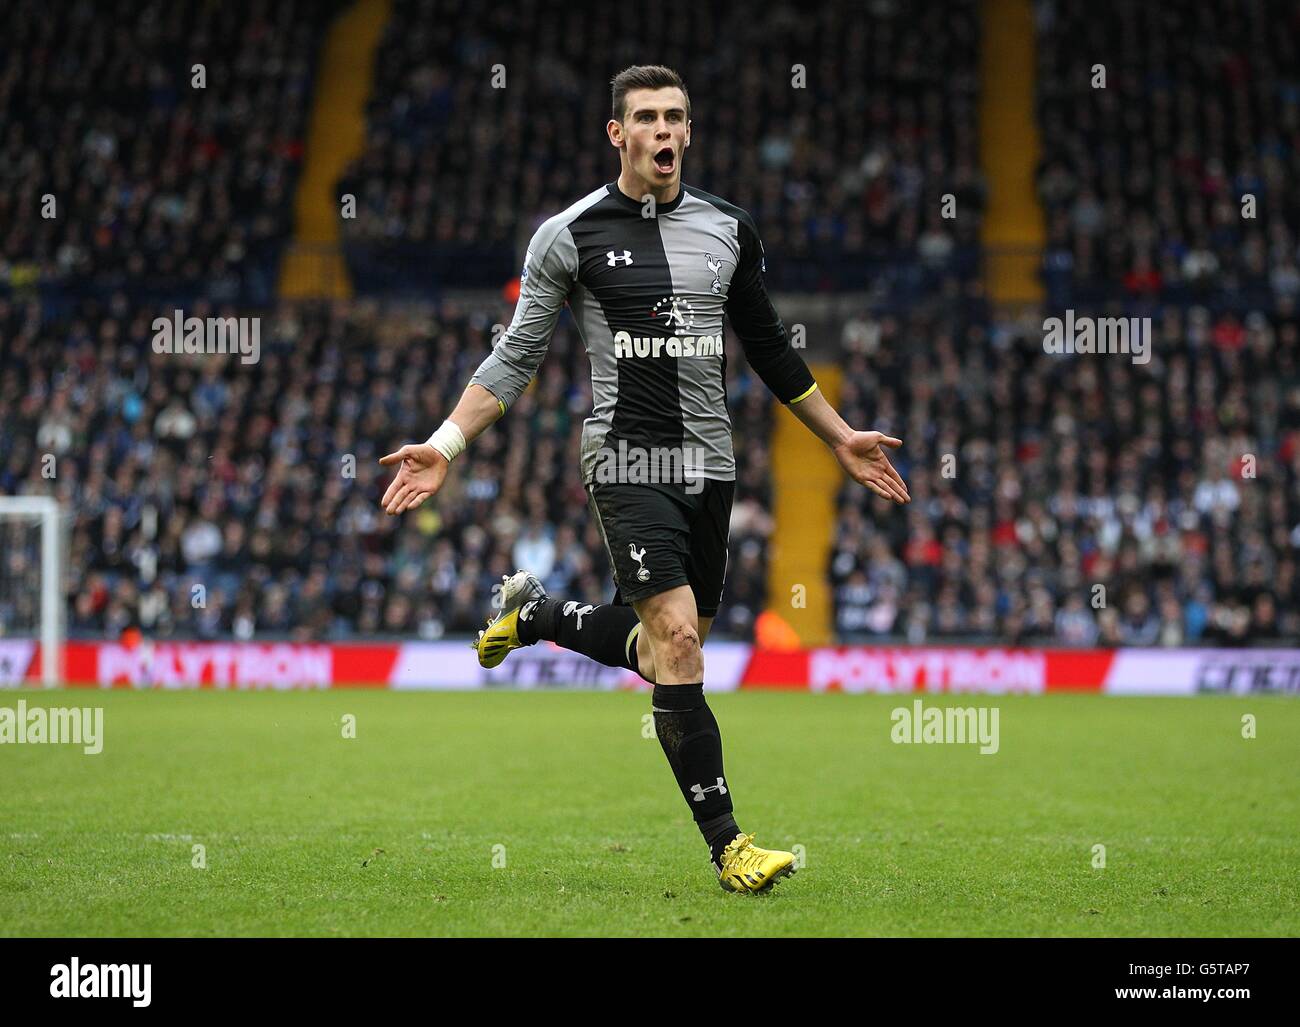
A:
(649, 287)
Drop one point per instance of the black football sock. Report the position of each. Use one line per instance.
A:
(605, 633)
(689, 735)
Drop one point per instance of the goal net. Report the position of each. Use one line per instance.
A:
(31, 588)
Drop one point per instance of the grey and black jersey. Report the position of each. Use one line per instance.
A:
(649, 293)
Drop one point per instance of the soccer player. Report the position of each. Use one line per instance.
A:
(649, 268)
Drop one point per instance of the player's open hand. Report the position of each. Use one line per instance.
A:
(420, 473)
(862, 455)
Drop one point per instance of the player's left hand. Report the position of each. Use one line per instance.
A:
(862, 455)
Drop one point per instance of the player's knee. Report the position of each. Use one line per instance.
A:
(684, 637)
(679, 644)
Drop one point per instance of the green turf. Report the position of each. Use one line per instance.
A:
(393, 832)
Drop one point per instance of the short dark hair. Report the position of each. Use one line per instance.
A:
(645, 76)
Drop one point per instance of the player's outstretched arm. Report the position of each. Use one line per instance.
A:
(783, 371)
(422, 467)
(544, 285)
(860, 453)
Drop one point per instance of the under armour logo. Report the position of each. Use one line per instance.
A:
(644, 573)
(581, 611)
(699, 790)
(715, 265)
(612, 258)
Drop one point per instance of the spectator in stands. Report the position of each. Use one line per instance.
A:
(241, 501)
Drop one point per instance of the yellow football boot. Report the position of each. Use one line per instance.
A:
(501, 636)
(745, 867)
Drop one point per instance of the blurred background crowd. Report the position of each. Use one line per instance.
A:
(1082, 501)
(168, 137)
(1066, 500)
(1146, 181)
(461, 166)
(259, 486)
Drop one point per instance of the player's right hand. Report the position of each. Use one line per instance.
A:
(420, 473)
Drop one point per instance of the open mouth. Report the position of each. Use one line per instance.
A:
(666, 161)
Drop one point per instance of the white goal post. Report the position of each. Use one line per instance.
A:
(31, 578)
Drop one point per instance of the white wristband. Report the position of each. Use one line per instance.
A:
(448, 440)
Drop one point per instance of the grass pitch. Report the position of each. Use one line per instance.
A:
(550, 814)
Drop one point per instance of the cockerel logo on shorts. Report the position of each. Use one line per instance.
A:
(644, 573)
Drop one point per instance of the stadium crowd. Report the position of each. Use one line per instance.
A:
(152, 147)
(1170, 152)
(1071, 500)
(483, 123)
(1089, 499)
(1076, 500)
(214, 499)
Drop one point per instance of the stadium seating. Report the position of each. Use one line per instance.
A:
(1174, 485)
(1145, 181)
(1036, 479)
(168, 137)
(474, 140)
(259, 482)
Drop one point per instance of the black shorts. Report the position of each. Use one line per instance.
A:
(662, 536)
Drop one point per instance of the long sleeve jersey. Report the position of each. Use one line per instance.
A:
(649, 288)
